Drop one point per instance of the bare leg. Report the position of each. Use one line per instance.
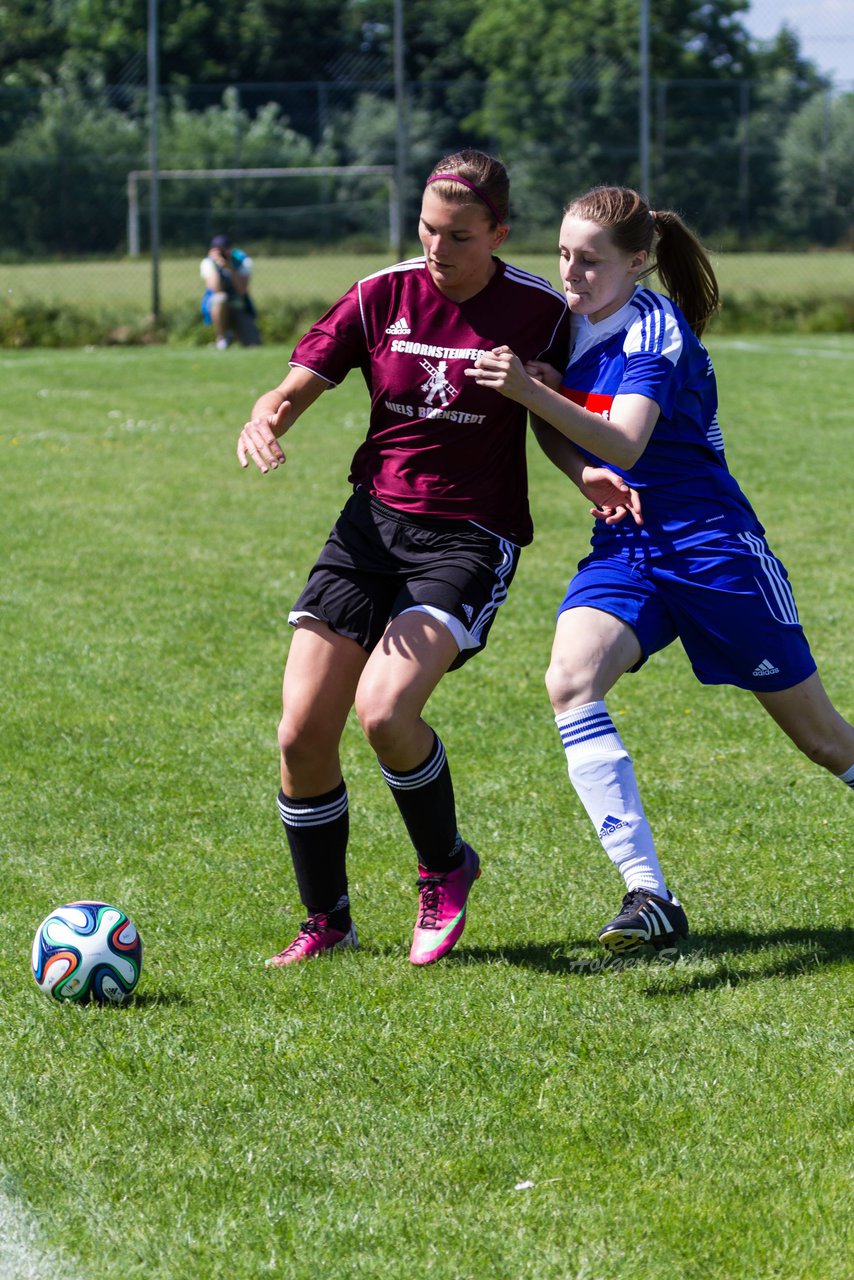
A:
(321, 676)
(398, 679)
(591, 650)
(219, 313)
(401, 673)
(810, 719)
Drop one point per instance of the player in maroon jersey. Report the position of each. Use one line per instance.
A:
(409, 581)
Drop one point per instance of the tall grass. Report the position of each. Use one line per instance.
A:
(517, 1112)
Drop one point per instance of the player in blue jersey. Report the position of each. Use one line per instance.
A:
(639, 395)
(422, 556)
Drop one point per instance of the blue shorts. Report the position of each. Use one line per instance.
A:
(728, 600)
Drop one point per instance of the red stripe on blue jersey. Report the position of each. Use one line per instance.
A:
(590, 400)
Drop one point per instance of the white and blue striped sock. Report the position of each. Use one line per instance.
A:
(603, 775)
(848, 777)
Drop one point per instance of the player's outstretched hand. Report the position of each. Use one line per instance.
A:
(614, 499)
(258, 443)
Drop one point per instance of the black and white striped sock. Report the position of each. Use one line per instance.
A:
(317, 828)
(425, 798)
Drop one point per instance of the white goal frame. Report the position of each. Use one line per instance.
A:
(386, 171)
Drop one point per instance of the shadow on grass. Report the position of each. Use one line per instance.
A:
(728, 958)
(705, 962)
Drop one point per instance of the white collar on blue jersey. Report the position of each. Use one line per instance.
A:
(585, 334)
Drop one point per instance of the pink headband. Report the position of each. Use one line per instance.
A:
(455, 177)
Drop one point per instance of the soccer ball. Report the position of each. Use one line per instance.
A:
(87, 950)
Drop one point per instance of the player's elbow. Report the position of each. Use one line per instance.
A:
(622, 452)
(631, 456)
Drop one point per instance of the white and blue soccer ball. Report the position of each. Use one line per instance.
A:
(87, 951)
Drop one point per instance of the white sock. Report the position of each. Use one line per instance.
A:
(602, 773)
(848, 777)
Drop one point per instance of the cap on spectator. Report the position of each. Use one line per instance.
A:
(220, 242)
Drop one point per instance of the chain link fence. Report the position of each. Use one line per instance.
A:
(759, 166)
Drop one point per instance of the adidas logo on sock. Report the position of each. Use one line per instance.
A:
(766, 668)
(401, 325)
(610, 825)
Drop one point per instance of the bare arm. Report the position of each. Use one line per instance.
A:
(612, 497)
(273, 414)
(621, 440)
(212, 280)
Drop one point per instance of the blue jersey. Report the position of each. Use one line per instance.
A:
(647, 348)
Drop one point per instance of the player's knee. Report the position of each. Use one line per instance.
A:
(824, 752)
(568, 685)
(381, 719)
(303, 747)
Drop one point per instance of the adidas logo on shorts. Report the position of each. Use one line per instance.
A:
(401, 325)
(766, 668)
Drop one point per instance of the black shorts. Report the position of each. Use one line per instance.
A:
(378, 562)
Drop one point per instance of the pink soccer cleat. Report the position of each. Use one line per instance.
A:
(442, 911)
(315, 936)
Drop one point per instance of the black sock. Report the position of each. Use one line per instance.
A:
(317, 828)
(425, 798)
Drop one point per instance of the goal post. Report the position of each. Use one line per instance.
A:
(385, 171)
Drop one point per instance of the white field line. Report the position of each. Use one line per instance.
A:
(782, 348)
(21, 1257)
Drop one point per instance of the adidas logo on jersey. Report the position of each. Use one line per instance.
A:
(468, 611)
(766, 668)
(401, 325)
(610, 825)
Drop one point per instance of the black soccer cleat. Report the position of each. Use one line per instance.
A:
(645, 919)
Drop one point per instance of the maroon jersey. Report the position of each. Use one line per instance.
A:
(438, 444)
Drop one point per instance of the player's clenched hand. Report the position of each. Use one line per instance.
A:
(545, 373)
(258, 443)
(501, 370)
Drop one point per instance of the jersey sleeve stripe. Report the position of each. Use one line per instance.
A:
(528, 278)
(411, 264)
(295, 364)
(714, 435)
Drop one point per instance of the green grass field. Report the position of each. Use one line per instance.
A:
(127, 283)
(519, 1111)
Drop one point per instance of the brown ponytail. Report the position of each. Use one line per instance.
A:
(675, 252)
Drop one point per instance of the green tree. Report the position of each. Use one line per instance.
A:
(783, 82)
(227, 136)
(562, 101)
(200, 42)
(63, 176)
(816, 175)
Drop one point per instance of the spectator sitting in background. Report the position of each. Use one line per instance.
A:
(226, 303)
